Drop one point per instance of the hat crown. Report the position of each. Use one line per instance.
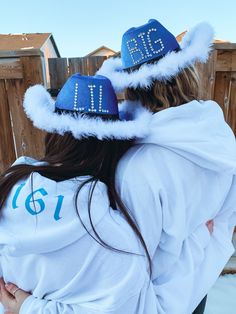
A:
(88, 94)
(145, 43)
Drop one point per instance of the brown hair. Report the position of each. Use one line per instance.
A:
(164, 94)
(67, 158)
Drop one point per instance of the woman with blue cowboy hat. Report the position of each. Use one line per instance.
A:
(62, 238)
(181, 175)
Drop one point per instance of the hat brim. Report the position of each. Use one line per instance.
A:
(195, 46)
(40, 108)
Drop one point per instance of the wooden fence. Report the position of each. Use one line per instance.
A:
(218, 80)
(61, 68)
(19, 70)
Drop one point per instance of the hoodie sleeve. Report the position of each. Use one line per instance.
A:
(34, 305)
(175, 261)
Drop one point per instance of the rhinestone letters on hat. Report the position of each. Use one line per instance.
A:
(141, 35)
(92, 101)
(76, 97)
(134, 49)
(100, 99)
(148, 45)
(91, 88)
(76, 108)
(154, 51)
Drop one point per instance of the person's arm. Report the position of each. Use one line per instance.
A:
(175, 257)
(33, 305)
(18, 301)
(24, 303)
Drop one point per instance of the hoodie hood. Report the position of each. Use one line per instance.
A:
(198, 132)
(39, 215)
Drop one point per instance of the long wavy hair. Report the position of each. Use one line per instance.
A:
(182, 88)
(66, 158)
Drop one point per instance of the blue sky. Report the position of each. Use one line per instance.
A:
(81, 26)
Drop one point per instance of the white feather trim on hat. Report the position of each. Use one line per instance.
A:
(195, 46)
(39, 107)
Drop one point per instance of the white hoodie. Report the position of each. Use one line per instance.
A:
(173, 181)
(45, 250)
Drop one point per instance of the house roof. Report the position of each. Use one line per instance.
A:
(100, 48)
(25, 41)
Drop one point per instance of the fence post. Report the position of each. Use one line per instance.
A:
(28, 139)
(7, 151)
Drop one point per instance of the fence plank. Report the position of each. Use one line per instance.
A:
(7, 151)
(58, 72)
(222, 91)
(224, 46)
(207, 77)
(10, 68)
(226, 60)
(28, 140)
(32, 70)
(232, 103)
(76, 65)
(95, 63)
(85, 65)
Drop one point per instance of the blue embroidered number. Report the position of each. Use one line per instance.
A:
(39, 201)
(37, 206)
(14, 206)
(58, 208)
